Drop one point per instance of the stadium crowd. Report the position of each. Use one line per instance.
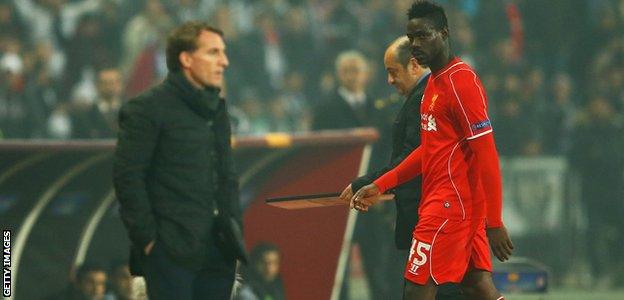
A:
(549, 66)
(553, 71)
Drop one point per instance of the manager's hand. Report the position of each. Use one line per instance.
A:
(365, 197)
(500, 242)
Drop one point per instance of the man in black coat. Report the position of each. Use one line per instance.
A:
(410, 80)
(173, 172)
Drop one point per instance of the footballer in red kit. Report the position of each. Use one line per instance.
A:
(453, 111)
(461, 206)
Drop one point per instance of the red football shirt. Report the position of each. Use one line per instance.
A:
(453, 111)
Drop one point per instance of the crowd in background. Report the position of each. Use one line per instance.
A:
(94, 281)
(549, 67)
(260, 280)
(553, 71)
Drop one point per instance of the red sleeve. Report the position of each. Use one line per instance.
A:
(470, 105)
(409, 168)
(487, 161)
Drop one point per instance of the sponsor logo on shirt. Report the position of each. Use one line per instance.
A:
(481, 125)
(428, 122)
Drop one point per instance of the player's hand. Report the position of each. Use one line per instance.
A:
(365, 197)
(346, 194)
(500, 242)
(148, 248)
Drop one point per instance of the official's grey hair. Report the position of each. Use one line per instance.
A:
(350, 55)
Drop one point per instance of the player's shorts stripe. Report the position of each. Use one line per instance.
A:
(478, 135)
(453, 183)
(431, 252)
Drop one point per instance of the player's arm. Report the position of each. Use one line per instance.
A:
(138, 135)
(409, 168)
(487, 161)
(470, 111)
(411, 142)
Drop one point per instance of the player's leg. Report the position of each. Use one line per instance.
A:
(450, 291)
(478, 284)
(439, 254)
(413, 291)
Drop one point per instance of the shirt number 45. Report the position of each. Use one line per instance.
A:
(418, 257)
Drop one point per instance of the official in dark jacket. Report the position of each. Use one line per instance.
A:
(173, 170)
(410, 81)
(99, 119)
(348, 106)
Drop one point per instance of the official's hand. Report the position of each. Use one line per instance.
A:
(365, 197)
(346, 194)
(500, 242)
(148, 248)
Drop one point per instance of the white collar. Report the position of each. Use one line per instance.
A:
(106, 107)
(353, 99)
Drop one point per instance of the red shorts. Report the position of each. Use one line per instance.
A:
(445, 249)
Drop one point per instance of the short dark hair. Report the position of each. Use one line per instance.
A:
(184, 38)
(115, 265)
(86, 268)
(429, 10)
(259, 250)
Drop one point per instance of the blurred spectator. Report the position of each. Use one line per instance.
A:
(87, 51)
(238, 72)
(517, 121)
(86, 120)
(112, 17)
(13, 109)
(89, 284)
(338, 26)
(348, 106)
(11, 24)
(42, 79)
(254, 113)
(280, 121)
(99, 119)
(262, 280)
(297, 33)
(296, 105)
(143, 54)
(239, 122)
(51, 20)
(597, 155)
(263, 54)
(121, 287)
(559, 117)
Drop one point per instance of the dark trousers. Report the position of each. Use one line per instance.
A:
(167, 280)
